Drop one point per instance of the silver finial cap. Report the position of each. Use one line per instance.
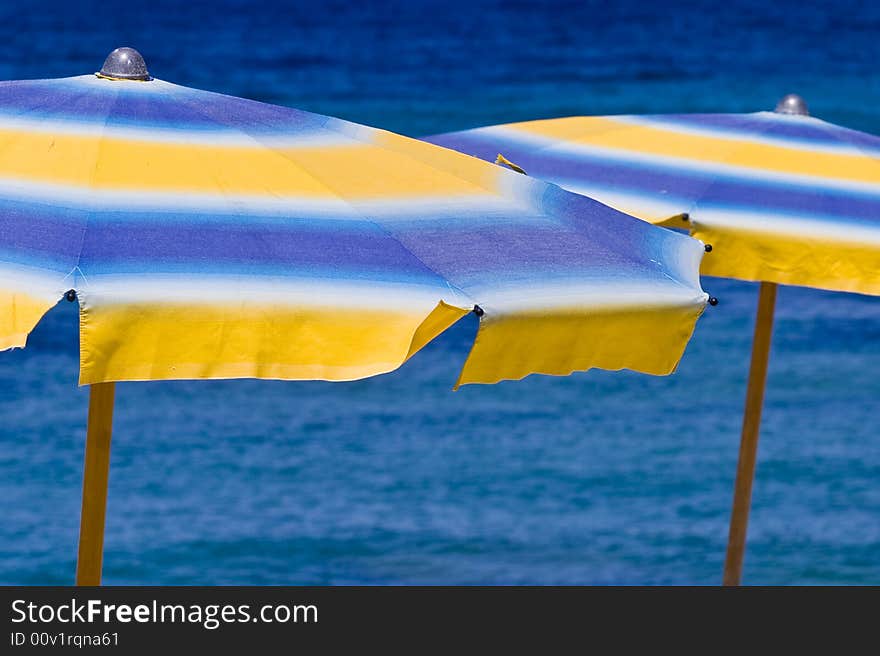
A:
(792, 104)
(125, 64)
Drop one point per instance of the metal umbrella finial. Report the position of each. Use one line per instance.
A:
(792, 104)
(125, 64)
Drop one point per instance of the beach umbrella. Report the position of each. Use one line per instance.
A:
(207, 236)
(780, 197)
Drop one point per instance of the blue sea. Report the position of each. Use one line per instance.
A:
(597, 478)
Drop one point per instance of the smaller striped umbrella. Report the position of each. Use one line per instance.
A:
(207, 236)
(782, 197)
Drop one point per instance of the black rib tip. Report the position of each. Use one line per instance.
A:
(70, 295)
(713, 301)
(478, 311)
(685, 217)
(708, 248)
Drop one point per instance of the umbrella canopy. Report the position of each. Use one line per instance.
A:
(214, 237)
(782, 198)
(207, 236)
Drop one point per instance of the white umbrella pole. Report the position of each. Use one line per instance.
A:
(95, 475)
(748, 448)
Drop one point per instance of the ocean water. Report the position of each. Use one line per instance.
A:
(600, 477)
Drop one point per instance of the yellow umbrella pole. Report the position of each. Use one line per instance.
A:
(748, 448)
(95, 475)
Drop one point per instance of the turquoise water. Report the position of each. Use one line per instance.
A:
(596, 478)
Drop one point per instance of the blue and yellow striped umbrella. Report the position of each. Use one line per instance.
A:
(782, 198)
(207, 236)
(213, 237)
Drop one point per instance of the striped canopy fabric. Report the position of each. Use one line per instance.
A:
(207, 236)
(781, 198)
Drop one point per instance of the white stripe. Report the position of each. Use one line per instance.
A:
(34, 281)
(590, 296)
(215, 136)
(331, 207)
(232, 291)
(787, 225)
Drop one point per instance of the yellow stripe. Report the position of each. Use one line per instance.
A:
(19, 313)
(429, 159)
(349, 171)
(791, 259)
(146, 342)
(643, 339)
(610, 133)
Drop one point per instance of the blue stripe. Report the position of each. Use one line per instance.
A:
(576, 237)
(53, 233)
(689, 186)
(475, 143)
(766, 124)
(89, 101)
(109, 244)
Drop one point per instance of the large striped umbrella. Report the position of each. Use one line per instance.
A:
(780, 196)
(207, 236)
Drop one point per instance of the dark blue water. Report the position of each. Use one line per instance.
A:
(596, 478)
